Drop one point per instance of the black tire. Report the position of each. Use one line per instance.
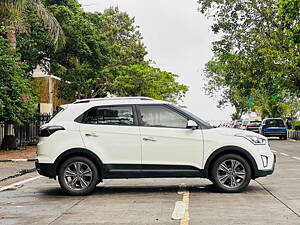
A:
(284, 137)
(243, 167)
(280, 137)
(91, 180)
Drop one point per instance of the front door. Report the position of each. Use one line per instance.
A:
(166, 140)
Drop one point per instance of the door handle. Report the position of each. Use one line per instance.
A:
(91, 135)
(149, 139)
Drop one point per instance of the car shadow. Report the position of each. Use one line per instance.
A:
(138, 189)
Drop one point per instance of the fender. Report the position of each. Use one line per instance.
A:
(232, 149)
(79, 152)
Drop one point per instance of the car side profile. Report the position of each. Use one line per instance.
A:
(138, 137)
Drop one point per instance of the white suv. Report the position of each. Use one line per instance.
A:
(138, 137)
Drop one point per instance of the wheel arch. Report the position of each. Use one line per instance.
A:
(79, 152)
(231, 150)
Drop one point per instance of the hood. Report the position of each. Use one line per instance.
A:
(233, 132)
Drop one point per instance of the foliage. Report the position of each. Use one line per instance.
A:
(17, 98)
(99, 48)
(297, 125)
(12, 15)
(252, 65)
(144, 80)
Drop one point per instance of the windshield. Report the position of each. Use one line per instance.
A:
(206, 124)
(255, 122)
(275, 123)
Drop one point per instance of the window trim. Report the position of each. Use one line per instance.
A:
(165, 106)
(81, 118)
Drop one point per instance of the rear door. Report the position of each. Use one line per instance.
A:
(112, 133)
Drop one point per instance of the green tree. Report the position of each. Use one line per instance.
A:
(12, 16)
(144, 80)
(250, 57)
(17, 98)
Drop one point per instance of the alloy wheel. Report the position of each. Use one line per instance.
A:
(231, 173)
(78, 175)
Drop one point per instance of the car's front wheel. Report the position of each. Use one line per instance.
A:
(231, 173)
(78, 176)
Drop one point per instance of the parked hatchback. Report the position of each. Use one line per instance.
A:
(137, 137)
(273, 127)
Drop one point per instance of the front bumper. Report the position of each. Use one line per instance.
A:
(45, 169)
(263, 173)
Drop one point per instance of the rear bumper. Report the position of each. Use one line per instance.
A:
(263, 173)
(46, 169)
(271, 134)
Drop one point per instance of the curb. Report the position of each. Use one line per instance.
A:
(17, 160)
(19, 173)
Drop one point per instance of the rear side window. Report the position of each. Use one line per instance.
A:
(112, 115)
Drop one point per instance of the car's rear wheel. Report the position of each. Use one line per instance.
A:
(231, 173)
(78, 176)
(284, 137)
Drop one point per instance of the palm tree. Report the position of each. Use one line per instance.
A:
(12, 17)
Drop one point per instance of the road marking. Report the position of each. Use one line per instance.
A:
(284, 154)
(15, 185)
(296, 158)
(274, 151)
(186, 199)
(181, 210)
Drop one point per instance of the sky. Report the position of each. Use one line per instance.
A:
(178, 38)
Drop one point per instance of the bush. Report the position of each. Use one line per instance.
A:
(297, 125)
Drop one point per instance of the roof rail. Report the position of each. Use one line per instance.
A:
(110, 99)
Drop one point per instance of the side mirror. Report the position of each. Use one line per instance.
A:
(192, 124)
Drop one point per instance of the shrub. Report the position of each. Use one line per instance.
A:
(297, 125)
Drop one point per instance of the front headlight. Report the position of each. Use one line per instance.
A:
(254, 139)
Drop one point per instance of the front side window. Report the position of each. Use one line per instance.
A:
(161, 116)
(112, 115)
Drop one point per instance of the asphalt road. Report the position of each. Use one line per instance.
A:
(271, 200)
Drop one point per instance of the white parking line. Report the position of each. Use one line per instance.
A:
(296, 158)
(181, 210)
(274, 151)
(284, 154)
(14, 185)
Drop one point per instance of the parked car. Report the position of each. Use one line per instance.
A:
(237, 124)
(273, 127)
(243, 125)
(253, 125)
(137, 137)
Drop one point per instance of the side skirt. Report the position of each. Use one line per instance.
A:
(150, 171)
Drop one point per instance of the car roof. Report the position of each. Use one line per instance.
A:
(73, 110)
(119, 100)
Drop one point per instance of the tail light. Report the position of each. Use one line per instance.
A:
(48, 130)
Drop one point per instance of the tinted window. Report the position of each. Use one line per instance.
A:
(255, 122)
(114, 115)
(160, 116)
(275, 123)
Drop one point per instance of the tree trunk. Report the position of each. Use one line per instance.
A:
(11, 38)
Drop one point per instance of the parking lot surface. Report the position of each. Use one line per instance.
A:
(271, 200)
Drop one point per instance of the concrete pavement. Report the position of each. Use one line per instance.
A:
(271, 200)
